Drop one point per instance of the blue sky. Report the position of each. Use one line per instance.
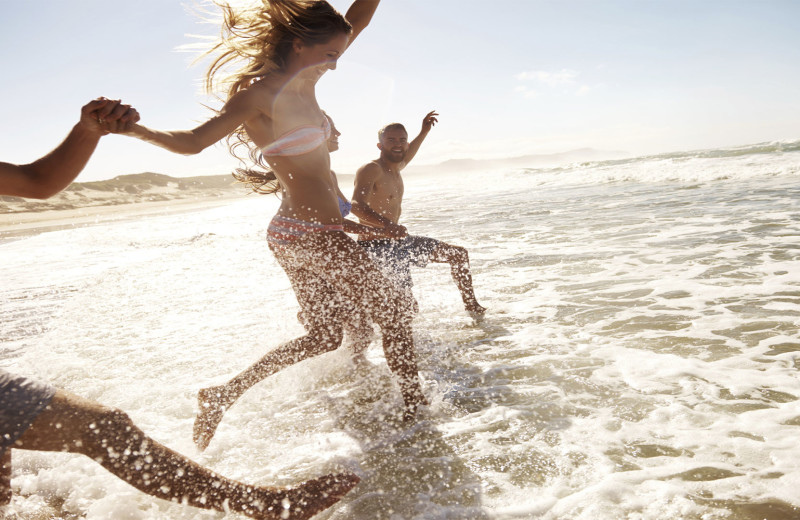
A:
(509, 78)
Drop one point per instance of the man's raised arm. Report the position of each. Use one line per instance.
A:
(428, 122)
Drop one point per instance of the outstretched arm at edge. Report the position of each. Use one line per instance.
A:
(350, 226)
(50, 174)
(359, 16)
(428, 122)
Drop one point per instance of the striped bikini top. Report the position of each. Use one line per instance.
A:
(298, 141)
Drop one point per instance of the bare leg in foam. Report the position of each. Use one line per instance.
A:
(108, 436)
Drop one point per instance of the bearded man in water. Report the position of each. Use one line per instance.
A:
(377, 201)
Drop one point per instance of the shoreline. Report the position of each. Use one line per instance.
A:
(14, 225)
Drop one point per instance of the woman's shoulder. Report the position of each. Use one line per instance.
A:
(259, 95)
(269, 85)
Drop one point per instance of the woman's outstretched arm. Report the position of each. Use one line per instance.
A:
(241, 107)
(359, 16)
(50, 174)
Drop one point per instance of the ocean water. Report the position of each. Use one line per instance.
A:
(639, 358)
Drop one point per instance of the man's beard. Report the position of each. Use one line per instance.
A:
(390, 156)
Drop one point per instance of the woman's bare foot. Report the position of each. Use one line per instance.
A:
(474, 308)
(305, 500)
(412, 403)
(209, 414)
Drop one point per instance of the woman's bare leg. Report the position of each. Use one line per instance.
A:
(458, 258)
(325, 269)
(324, 335)
(109, 437)
(214, 401)
(358, 328)
(361, 281)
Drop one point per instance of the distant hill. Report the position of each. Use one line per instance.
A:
(130, 189)
(523, 161)
(142, 182)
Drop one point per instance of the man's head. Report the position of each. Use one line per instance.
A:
(393, 142)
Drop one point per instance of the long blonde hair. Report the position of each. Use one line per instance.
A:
(258, 40)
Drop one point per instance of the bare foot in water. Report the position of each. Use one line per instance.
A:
(209, 414)
(475, 309)
(304, 500)
(412, 404)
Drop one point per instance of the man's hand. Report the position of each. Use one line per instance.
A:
(51, 173)
(103, 116)
(395, 231)
(429, 121)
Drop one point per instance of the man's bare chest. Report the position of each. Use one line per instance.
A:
(389, 188)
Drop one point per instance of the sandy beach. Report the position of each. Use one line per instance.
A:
(122, 198)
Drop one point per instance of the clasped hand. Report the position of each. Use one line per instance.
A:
(108, 116)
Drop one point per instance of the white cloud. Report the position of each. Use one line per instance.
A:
(564, 81)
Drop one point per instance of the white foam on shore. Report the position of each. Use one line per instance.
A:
(639, 358)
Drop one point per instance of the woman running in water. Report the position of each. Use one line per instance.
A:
(284, 47)
(38, 416)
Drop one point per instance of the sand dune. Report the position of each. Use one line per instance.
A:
(126, 196)
(128, 189)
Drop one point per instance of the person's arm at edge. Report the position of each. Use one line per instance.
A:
(359, 15)
(50, 174)
(241, 107)
(428, 122)
(350, 226)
